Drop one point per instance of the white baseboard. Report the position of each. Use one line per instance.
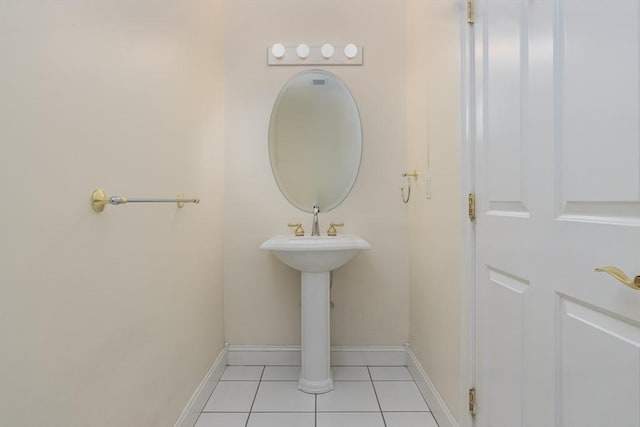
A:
(263, 355)
(368, 356)
(437, 405)
(340, 356)
(199, 398)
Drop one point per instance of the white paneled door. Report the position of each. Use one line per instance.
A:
(557, 113)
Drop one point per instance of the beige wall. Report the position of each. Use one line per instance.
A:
(433, 128)
(110, 319)
(262, 296)
(116, 317)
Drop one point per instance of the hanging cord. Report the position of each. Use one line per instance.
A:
(331, 303)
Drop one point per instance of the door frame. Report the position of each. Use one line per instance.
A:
(467, 243)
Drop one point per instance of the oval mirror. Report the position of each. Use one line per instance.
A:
(315, 140)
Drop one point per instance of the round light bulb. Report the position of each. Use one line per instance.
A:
(327, 50)
(303, 50)
(350, 50)
(277, 50)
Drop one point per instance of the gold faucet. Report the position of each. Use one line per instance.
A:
(299, 230)
(332, 228)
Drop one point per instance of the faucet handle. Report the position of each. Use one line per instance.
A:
(332, 228)
(299, 230)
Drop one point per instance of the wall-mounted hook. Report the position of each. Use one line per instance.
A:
(408, 175)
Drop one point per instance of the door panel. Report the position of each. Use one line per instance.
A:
(503, 84)
(597, 94)
(504, 347)
(558, 194)
(598, 353)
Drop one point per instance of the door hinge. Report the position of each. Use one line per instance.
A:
(472, 206)
(472, 401)
(470, 11)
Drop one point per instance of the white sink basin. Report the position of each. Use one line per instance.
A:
(315, 254)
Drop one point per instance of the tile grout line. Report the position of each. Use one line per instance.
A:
(197, 419)
(246, 423)
(376, 394)
(315, 412)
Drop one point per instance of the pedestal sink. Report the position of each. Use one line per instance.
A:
(315, 257)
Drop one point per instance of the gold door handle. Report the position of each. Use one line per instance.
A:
(622, 278)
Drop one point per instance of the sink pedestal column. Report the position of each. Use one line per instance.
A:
(315, 375)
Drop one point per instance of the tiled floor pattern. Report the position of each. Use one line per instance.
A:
(268, 396)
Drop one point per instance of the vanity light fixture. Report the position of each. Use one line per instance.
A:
(305, 54)
(277, 50)
(327, 50)
(350, 51)
(303, 50)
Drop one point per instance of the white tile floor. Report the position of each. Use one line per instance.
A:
(268, 396)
